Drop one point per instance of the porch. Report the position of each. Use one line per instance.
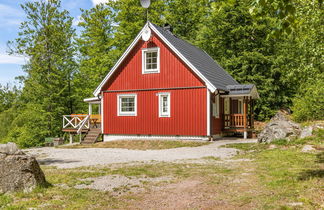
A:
(87, 126)
(238, 109)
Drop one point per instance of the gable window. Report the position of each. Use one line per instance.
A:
(216, 107)
(151, 60)
(127, 105)
(164, 105)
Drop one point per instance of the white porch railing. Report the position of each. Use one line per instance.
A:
(76, 121)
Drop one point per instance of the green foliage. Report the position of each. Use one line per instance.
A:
(46, 37)
(309, 103)
(63, 68)
(32, 133)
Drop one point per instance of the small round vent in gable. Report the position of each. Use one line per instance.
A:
(146, 34)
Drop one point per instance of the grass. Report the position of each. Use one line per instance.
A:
(56, 196)
(273, 179)
(286, 174)
(139, 144)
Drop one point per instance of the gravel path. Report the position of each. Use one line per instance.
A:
(71, 158)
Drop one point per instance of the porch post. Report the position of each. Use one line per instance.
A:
(90, 108)
(71, 138)
(244, 117)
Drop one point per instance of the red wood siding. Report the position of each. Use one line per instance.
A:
(173, 72)
(188, 114)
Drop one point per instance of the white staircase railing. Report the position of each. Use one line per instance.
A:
(85, 123)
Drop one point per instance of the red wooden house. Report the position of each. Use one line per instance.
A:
(164, 87)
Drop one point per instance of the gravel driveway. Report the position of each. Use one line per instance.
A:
(71, 158)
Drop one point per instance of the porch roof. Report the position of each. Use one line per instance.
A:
(242, 90)
(93, 100)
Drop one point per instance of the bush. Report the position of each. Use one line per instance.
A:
(29, 128)
(309, 104)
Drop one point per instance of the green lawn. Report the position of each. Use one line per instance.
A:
(279, 178)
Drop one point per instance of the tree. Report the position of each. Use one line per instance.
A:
(46, 37)
(96, 50)
(238, 42)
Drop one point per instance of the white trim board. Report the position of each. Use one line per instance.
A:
(108, 137)
(209, 85)
(154, 71)
(119, 111)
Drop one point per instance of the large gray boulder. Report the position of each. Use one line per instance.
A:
(279, 127)
(18, 171)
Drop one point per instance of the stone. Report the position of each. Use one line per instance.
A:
(18, 171)
(9, 148)
(279, 127)
(273, 146)
(307, 131)
(308, 148)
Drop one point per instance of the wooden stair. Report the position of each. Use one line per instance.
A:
(92, 136)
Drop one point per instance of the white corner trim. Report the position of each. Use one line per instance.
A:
(102, 112)
(119, 97)
(153, 49)
(208, 112)
(209, 85)
(103, 82)
(161, 114)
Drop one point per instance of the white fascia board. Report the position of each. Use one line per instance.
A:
(93, 99)
(209, 85)
(121, 59)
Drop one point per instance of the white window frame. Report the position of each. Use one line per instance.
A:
(216, 107)
(240, 108)
(150, 71)
(161, 113)
(123, 113)
(227, 106)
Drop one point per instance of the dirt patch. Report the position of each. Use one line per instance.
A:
(119, 184)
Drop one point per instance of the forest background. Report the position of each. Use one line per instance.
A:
(275, 44)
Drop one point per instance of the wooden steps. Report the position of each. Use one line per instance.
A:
(92, 136)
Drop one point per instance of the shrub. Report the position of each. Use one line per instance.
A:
(309, 103)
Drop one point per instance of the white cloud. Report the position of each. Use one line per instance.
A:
(10, 15)
(95, 2)
(12, 59)
(77, 20)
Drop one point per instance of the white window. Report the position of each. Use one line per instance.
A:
(216, 107)
(127, 105)
(151, 60)
(164, 105)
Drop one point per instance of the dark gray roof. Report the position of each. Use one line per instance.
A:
(239, 89)
(211, 70)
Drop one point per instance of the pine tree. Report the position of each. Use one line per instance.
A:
(46, 38)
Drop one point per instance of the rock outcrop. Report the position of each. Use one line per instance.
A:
(279, 127)
(18, 171)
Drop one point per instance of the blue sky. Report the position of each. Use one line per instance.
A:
(11, 15)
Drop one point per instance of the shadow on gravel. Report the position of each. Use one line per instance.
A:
(49, 161)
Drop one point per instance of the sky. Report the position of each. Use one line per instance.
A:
(11, 15)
